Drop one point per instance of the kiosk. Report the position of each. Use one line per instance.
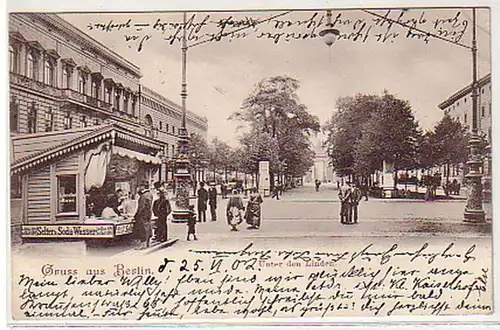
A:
(67, 177)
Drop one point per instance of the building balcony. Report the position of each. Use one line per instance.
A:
(31, 84)
(72, 95)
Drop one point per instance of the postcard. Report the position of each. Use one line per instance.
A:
(251, 166)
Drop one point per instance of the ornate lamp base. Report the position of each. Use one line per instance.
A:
(181, 212)
(474, 209)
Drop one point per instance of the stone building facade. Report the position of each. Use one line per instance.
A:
(459, 106)
(62, 79)
(162, 119)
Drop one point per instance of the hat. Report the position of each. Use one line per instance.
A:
(157, 184)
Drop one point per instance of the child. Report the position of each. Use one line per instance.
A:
(191, 223)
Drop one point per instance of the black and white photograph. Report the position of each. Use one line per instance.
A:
(252, 166)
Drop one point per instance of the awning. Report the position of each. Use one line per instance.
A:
(136, 155)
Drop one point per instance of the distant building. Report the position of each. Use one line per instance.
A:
(321, 170)
(459, 106)
(162, 120)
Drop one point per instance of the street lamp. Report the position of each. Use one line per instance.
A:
(182, 174)
(474, 209)
(329, 34)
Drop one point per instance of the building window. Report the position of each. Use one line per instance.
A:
(125, 101)
(66, 193)
(96, 121)
(161, 125)
(82, 83)
(48, 73)
(482, 90)
(49, 120)
(14, 116)
(465, 118)
(134, 101)
(32, 114)
(173, 150)
(117, 100)
(31, 67)
(13, 59)
(68, 121)
(83, 121)
(465, 100)
(489, 106)
(66, 82)
(149, 125)
(482, 111)
(107, 95)
(458, 103)
(95, 89)
(173, 130)
(166, 128)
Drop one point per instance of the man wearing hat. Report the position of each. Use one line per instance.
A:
(212, 201)
(202, 203)
(143, 215)
(161, 209)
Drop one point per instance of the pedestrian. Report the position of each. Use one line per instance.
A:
(276, 192)
(161, 209)
(212, 201)
(253, 211)
(317, 184)
(191, 223)
(143, 215)
(364, 191)
(223, 189)
(202, 203)
(356, 196)
(345, 204)
(233, 210)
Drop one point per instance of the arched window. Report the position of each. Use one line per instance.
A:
(14, 116)
(149, 125)
(32, 118)
(48, 73)
(31, 68)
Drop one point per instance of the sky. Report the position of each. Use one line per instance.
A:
(220, 74)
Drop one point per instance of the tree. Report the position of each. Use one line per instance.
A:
(345, 129)
(451, 143)
(273, 109)
(219, 156)
(368, 130)
(197, 151)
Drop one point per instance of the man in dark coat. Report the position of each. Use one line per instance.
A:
(356, 195)
(212, 201)
(161, 209)
(345, 204)
(143, 215)
(202, 203)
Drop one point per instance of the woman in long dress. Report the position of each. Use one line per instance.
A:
(233, 210)
(253, 212)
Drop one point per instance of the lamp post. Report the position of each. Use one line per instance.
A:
(182, 175)
(474, 209)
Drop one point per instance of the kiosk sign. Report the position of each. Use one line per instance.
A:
(67, 231)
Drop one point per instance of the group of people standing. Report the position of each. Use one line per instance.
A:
(350, 196)
(234, 207)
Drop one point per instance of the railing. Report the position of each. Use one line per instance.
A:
(39, 86)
